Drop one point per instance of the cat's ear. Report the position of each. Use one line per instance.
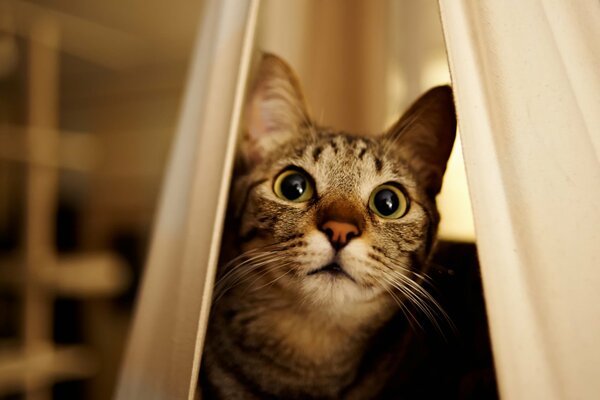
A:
(274, 111)
(424, 136)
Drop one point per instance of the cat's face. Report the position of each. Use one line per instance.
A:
(332, 218)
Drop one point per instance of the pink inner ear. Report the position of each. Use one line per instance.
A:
(262, 118)
(273, 111)
(256, 123)
(257, 128)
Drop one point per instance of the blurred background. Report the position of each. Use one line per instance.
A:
(89, 98)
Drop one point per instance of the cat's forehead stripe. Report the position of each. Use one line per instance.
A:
(316, 153)
(362, 153)
(333, 146)
(378, 164)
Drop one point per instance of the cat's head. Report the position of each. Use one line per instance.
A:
(331, 217)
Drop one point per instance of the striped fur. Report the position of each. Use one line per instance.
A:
(278, 332)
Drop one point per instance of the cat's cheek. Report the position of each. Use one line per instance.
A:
(318, 251)
(352, 256)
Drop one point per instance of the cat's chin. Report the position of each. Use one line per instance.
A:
(333, 287)
(333, 269)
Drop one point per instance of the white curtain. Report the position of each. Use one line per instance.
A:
(527, 89)
(163, 353)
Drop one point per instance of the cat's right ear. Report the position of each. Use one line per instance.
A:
(274, 110)
(424, 136)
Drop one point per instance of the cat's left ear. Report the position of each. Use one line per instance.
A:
(275, 109)
(424, 136)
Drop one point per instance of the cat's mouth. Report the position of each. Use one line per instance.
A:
(333, 269)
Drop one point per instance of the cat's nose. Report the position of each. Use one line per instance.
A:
(339, 233)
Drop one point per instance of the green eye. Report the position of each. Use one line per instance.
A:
(293, 185)
(388, 201)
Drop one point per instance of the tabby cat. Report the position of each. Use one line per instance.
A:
(331, 236)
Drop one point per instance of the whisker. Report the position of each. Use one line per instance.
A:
(253, 263)
(232, 273)
(427, 303)
(412, 296)
(239, 276)
(278, 278)
(405, 310)
(400, 276)
(401, 265)
(231, 267)
(270, 268)
(404, 291)
(262, 252)
(417, 285)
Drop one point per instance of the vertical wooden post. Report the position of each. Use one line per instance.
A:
(41, 184)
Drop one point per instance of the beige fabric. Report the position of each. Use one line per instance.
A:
(164, 347)
(527, 89)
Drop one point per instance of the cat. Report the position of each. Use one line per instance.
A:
(329, 239)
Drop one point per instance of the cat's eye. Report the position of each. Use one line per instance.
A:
(293, 185)
(388, 201)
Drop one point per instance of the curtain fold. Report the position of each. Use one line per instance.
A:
(165, 342)
(527, 93)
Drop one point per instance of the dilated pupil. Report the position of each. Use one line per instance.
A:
(386, 202)
(293, 186)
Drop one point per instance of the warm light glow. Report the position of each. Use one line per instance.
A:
(453, 202)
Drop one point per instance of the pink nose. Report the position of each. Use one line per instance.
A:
(340, 233)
